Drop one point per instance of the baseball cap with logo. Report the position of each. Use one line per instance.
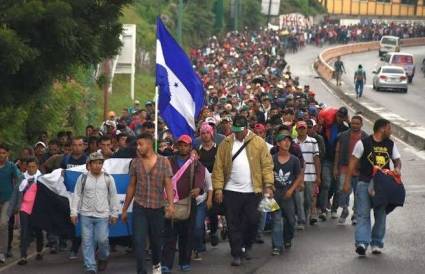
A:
(240, 123)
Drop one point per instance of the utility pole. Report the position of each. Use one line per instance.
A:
(106, 85)
(237, 10)
(269, 12)
(180, 22)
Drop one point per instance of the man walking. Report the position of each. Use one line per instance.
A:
(243, 170)
(150, 175)
(312, 173)
(344, 149)
(359, 81)
(288, 177)
(95, 200)
(376, 150)
(191, 183)
(9, 174)
(339, 69)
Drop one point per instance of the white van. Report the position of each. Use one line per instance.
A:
(389, 44)
(404, 60)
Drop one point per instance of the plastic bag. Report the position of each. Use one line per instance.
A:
(268, 205)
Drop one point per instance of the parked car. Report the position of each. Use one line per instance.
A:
(401, 59)
(390, 78)
(389, 44)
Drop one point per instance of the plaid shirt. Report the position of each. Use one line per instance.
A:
(150, 186)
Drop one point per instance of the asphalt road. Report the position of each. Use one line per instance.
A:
(325, 248)
(409, 106)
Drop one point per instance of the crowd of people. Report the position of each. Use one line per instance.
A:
(295, 37)
(262, 135)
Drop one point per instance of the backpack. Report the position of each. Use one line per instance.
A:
(83, 185)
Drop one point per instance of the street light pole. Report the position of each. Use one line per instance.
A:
(180, 22)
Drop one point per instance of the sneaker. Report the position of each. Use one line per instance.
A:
(353, 220)
(73, 256)
(39, 257)
(236, 261)
(275, 252)
(334, 215)
(156, 269)
(185, 268)
(361, 250)
(313, 221)
(165, 269)
(102, 265)
(300, 227)
(23, 261)
(376, 250)
(246, 255)
(54, 250)
(288, 245)
(214, 240)
(344, 215)
(196, 257)
(9, 254)
(322, 216)
(259, 239)
(2, 258)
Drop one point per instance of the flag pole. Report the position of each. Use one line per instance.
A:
(156, 119)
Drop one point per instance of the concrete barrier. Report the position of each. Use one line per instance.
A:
(406, 132)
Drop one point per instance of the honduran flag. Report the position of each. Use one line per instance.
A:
(181, 93)
(52, 204)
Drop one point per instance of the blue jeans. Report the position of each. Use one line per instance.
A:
(359, 88)
(364, 233)
(94, 233)
(199, 230)
(327, 169)
(344, 198)
(283, 220)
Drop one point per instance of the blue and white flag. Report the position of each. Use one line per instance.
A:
(62, 183)
(181, 93)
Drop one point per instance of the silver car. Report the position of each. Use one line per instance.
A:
(390, 78)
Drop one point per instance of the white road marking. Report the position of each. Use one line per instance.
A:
(419, 153)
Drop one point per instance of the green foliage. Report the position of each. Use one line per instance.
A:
(41, 41)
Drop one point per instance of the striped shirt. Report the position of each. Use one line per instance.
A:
(150, 186)
(309, 148)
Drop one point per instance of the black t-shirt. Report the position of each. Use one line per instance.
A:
(207, 157)
(285, 174)
(69, 161)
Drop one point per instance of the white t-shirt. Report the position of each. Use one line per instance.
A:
(240, 177)
(359, 149)
(208, 187)
(309, 148)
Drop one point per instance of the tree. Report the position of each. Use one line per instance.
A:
(43, 41)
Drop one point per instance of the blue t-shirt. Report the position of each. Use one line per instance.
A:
(285, 174)
(69, 161)
(9, 174)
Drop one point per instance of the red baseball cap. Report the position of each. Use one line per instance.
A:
(260, 127)
(185, 139)
(301, 124)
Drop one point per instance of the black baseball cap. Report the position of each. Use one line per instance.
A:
(343, 111)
